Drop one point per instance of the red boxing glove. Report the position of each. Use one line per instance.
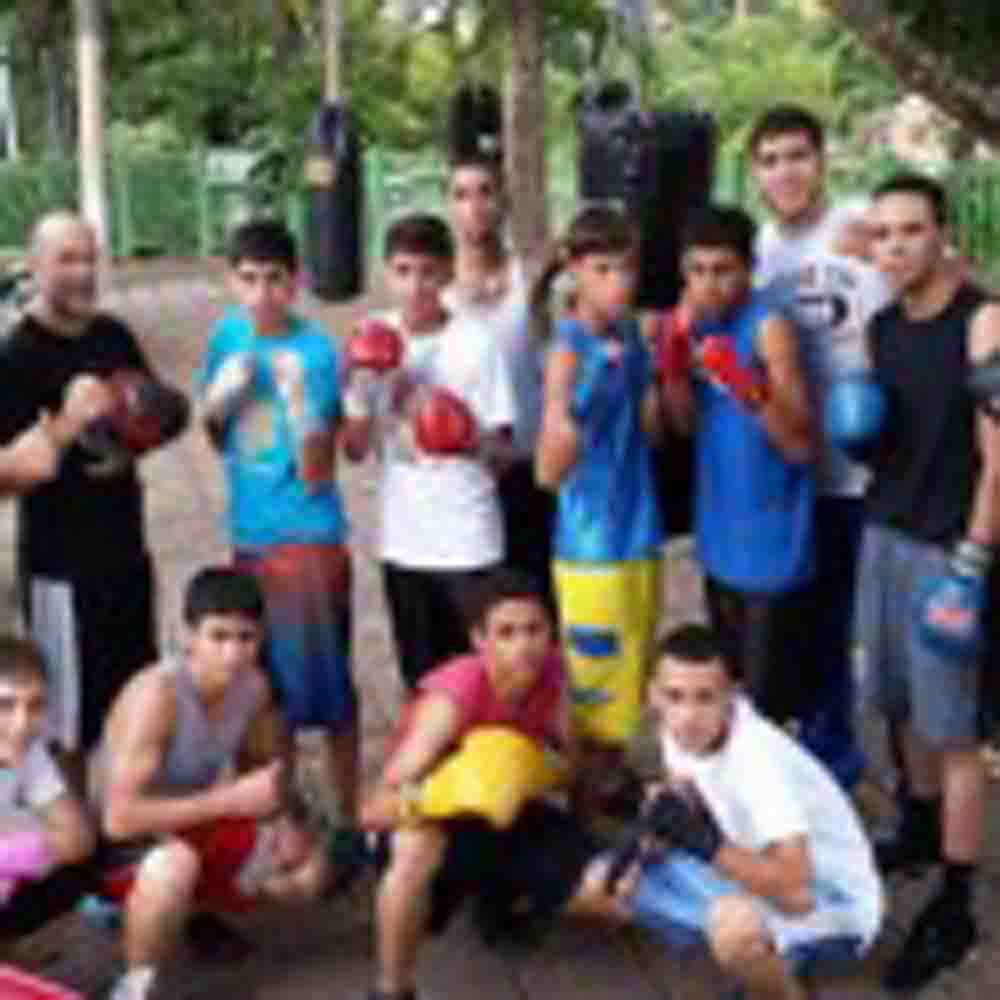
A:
(374, 345)
(444, 425)
(719, 363)
(145, 413)
(673, 347)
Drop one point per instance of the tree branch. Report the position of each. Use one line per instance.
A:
(922, 68)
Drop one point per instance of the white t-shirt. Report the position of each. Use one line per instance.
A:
(443, 512)
(831, 297)
(34, 784)
(762, 787)
(508, 321)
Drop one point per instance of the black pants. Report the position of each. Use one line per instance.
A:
(35, 904)
(766, 640)
(528, 515)
(428, 616)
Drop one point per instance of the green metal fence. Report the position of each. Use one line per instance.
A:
(172, 204)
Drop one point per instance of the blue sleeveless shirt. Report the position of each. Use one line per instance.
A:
(607, 506)
(753, 508)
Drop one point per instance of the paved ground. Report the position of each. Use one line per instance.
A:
(324, 953)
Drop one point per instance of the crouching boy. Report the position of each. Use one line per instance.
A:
(462, 790)
(45, 837)
(765, 860)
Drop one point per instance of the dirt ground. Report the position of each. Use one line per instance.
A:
(325, 952)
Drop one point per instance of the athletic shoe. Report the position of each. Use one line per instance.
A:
(941, 937)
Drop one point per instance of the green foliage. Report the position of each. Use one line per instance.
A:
(739, 67)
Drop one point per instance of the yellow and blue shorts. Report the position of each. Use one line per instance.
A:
(608, 614)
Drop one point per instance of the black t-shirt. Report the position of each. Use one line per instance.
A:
(925, 474)
(80, 522)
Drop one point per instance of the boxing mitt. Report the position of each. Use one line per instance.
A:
(25, 855)
(493, 774)
(374, 345)
(717, 362)
(145, 413)
(443, 424)
(949, 606)
(673, 345)
(855, 415)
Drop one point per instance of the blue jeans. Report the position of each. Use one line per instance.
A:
(828, 722)
(675, 895)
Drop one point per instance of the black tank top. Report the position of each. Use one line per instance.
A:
(925, 475)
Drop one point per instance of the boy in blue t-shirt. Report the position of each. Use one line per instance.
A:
(270, 401)
(754, 446)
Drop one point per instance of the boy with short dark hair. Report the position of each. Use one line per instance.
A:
(442, 417)
(538, 859)
(44, 831)
(754, 443)
(814, 254)
(767, 863)
(269, 397)
(195, 786)
(490, 284)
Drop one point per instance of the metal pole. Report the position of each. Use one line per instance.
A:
(90, 71)
(332, 32)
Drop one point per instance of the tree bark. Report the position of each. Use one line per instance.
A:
(525, 132)
(935, 75)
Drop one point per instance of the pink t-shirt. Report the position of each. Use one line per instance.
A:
(466, 681)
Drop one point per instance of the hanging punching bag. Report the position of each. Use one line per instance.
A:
(658, 165)
(475, 123)
(334, 182)
(674, 180)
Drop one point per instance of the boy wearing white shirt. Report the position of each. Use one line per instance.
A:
(440, 521)
(490, 286)
(814, 255)
(767, 861)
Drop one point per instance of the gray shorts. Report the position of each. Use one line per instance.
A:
(937, 695)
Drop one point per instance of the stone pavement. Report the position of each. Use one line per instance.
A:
(325, 952)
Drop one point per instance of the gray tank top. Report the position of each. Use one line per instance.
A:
(202, 748)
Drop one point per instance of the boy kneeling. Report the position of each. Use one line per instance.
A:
(44, 833)
(194, 783)
(538, 856)
(768, 863)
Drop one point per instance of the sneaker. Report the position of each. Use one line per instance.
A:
(136, 984)
(941, 937)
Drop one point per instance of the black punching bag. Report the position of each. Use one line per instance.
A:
(475, 124)
(657, 165)
(334, 250)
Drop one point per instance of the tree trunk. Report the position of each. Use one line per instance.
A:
(90, 71)
(921, 68)
(53, 75)
(525, 132)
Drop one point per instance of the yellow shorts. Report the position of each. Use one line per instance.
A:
(608, 613)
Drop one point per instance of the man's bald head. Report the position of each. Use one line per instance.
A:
(63, 259)
(53, 227)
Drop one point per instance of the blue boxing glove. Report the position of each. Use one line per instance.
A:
(855, 415)
(950, 606)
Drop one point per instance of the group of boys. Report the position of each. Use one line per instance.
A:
(760, 854)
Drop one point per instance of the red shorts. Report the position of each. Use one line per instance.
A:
(223, 847)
